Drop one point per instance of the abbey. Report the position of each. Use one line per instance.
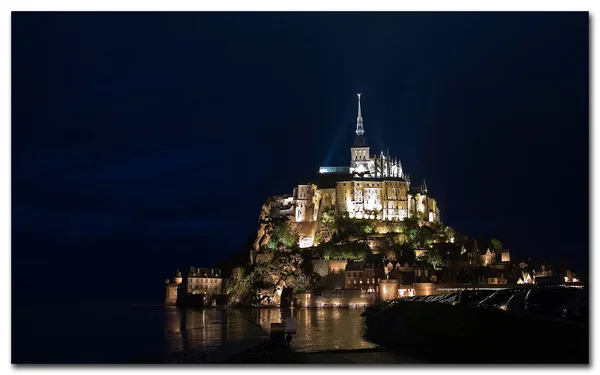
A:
(372, 186)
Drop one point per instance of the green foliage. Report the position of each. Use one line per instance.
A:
(355, 227)
(394, 227)
(328, 215)
(426, 235)
(324, 232)
(347, 228)
(411, 230)
(238, 287)
(400, 239)
(352, 250)
(264, 279)
(435, 259)
(305, 282)
(282, 233)
(495, 244)
(450, 232)
(439, 229)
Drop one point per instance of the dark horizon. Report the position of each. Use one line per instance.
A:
(147, 142)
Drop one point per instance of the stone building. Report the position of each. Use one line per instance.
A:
(172, 289)
(364, 276)
(399, 266)
(204, 281)
(373, 186)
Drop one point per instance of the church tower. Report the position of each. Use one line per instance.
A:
(359, 153)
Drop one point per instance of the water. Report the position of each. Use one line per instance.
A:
(319, 329)
(92, 333)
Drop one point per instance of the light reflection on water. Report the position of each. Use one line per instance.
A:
(318, 329)
(107, 333)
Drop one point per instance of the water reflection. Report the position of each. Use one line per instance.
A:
(193, 329)
(328, 329)
(318, 329)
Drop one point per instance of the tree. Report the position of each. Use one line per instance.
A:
(261, 285)
(426, 236)
(324, 232)
(411, 230)
(450, 232)
(346, 228)
(400, 239)
(328, 215)
(352, 250)
(282, 232)
(435, 259)
(495, 244)
(438, 228)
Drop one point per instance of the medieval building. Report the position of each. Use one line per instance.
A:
(372, 186)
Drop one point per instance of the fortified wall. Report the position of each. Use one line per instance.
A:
(325, 267)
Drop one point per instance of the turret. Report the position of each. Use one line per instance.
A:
(178, 279)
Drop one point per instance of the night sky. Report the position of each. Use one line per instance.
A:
(147, 142)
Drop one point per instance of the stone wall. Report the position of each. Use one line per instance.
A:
(171, 294)
(388, 289)
(328, 267)
(345, 297)
(336, 266)
(424, 289)
(304, 299)
(321, 267)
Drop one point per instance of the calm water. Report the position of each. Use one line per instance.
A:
(92, 333)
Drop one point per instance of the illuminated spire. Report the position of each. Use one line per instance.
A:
(424, 186)
(359, 121)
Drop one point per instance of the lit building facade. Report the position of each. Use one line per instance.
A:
(373, 186)
(204, 281)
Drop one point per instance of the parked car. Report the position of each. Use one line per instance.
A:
(495, 298)
(514, 303)
(550, 301)
(578, 310)
(467, 296)
(450, 298)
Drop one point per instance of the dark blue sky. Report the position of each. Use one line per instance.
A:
(146, 142)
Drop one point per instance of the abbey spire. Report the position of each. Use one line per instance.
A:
(359, 121)
(360, 139)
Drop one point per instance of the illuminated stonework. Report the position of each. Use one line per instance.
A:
(373, 186)
(204, 281)
(306, 242)
(388, 289)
